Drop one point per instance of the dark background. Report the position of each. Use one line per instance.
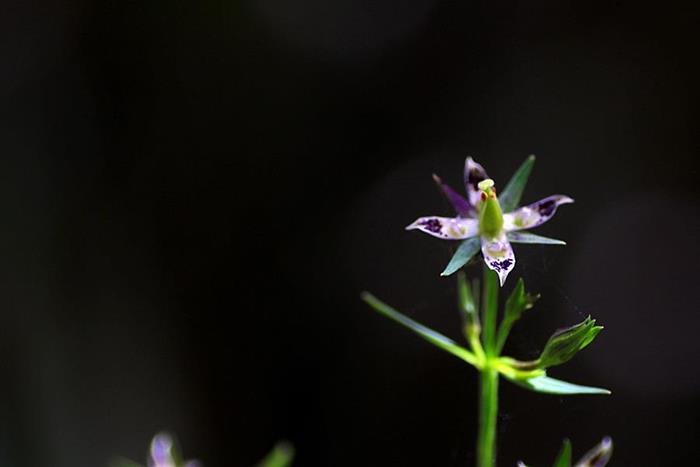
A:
(193, 194)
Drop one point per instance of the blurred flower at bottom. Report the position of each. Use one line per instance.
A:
(163, 453)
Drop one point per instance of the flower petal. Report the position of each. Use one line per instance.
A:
(461, 205)
(599, 455)
(498, 255)
(534, 214)
(473, 174)
(162, 451)
(447, 228)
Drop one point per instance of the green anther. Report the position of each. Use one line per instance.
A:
(490, 215)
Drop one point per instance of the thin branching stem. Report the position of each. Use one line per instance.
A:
(488, 374)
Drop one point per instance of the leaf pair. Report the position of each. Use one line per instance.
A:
(539, 383)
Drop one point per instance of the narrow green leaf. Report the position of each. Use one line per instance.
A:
(564, 457)
(516, 304)
(280, 456)
(434, 337)
(527, 237)
(466, 251)
(566, 343)
(510, 195)
(548, 385)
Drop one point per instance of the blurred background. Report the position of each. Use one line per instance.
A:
(194, 194)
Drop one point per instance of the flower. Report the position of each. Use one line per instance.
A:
(480, 221)
(162, 453)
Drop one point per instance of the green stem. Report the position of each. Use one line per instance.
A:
(488, 411)
(488, 376)
(490, 311)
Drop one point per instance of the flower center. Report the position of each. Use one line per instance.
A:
(490, 214)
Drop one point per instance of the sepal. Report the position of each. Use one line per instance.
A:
(510, 196)
(527, 237)
(547, 385)
(465, 252)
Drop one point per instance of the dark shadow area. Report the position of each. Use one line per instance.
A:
(194, 194)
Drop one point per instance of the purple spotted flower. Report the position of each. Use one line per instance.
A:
(481, 222)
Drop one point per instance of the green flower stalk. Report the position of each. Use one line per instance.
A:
(481, 220)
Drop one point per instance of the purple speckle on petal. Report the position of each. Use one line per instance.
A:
(547, 208)
(474, 177)
(432, 225)
(501, 265)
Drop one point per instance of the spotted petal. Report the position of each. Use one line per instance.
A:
(461, 205)
(534, 214)
(498, 255)
(447, 228)
(473, 174)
